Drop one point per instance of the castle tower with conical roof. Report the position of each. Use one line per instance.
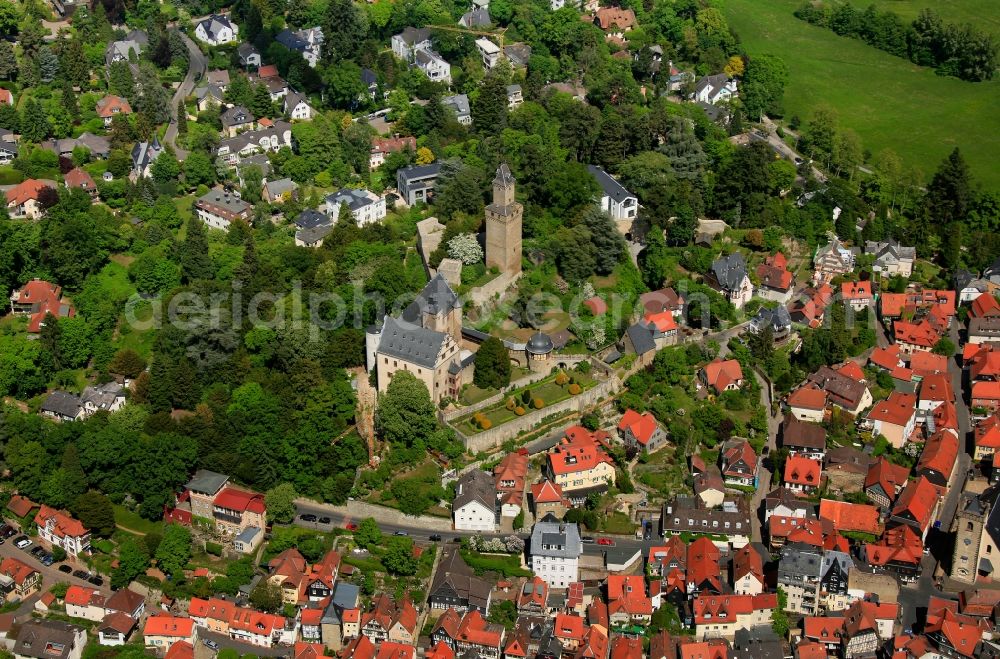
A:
(503, 225)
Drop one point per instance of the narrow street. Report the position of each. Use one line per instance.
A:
(197, 65)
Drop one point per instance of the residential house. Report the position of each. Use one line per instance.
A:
(79, 179)
(489, 52)
(391, 621)
(985, 396)
(111, 106)
(802, 474)
(459, 104)
(579, 464)
(59, 529)
(554, 551)
(547, 498)
(235, 511)
(955, 635)
(984, 306)
(508, 478)
(216, 30)
(86, 603)
(776, 282)
(49, 639)
(801, 438)
(690, 515)
(777, 319)
(846, 392)
(114, 629)
(307, 42)
(126, 601)
(456, 587)
(144, 154)
(18, 580)
(366, 207)
(885, 481)
(917, 506)
(534, 597)
(983, 330)
(27, 198)
(641, 431)
(249, 55)
(832, 260)
(233, 151)
(406, 44)
(476, 17)
(162, 631)
(515, 97)
(729, 277)
(615, 200)
(894, 418)
(665, 299)
(738, 463)
(62, 406)
(851, 517)
(517, 54)
(280, 191)
(714, 89)
(236, 120)
(939, 459)
(416, 183)
(341, 620)
(108, 397)
(474, 508)
(435, 67)
(807, 403)
(720, 616)
(476, 637)
(722, 375)
(857, 295)
(987, 438)
(126, 50)
(785, 503)
(748, 571)
(799, 572)
(809, 308)
(37, 299)
(202, 489)
(297, 107)
(629, 603)
(899, 551)
(219, 208)
(382, 146)
(891, 258)
(918, 304)
(915, 337)
(969, 285)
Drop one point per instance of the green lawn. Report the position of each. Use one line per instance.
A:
(133, 522)
(890, 102)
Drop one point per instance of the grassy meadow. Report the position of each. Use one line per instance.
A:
(888, 101)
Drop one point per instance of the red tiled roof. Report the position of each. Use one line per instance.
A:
(846, 516)
(596, 305)
(703, 563)
(936, 388)
(568, 626)
(720, 374)
(984, 306)
(748, 561)
(715, 648)
(963, 633)
(887, 358)
(927, 363)
(118, 622)
(608, 17)
(800, 470)
(808, 397)
(267, 71)
(180, 650)
(851, 370)
(20, 505)
(359, 648)
(65, 526)
(111, 105)
(663, 321)
(25, 190)
(825, 629)
(16, 570)
(579, 451)
(897, 409)
(391, 144)
(985, 391)
(891, 477)
(917, 500)
(308, 650)
(856, 290)
(939, 454)
(164, 625)
(595, 641)
(546, 492)
(240, 501)
(442, 651)
(983, 360)
(810, 650)
(772, 273)
(900, 544)
(642, 426)
(988, 432)
(623, 647)
(665, 299)
(82, 596)
(741, 451)
(390, 650)
(921, 334)
(79, 178)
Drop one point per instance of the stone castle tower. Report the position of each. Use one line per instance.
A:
(503, 225)
(968, 527)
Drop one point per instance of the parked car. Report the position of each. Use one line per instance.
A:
(351, 526)
(47, 559)
(37, 551)
(81, 574)
(308, 518)
(400, 533)
(9, 532)
(588, 540)
(65, 569)
(22, 542)
(607, 542)
(324, 520)
(96, 580)
(209, 643)
(435, 537)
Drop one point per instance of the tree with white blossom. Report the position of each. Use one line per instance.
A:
(465, 248)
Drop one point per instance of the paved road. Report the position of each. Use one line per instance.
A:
(50, 575)
(197, 65)
(788, 152)
(202, 651)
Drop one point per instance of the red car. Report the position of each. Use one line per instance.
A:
(608, 542)
(351, 526)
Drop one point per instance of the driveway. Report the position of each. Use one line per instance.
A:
(50, 575)
(197, 65)
(202, 651)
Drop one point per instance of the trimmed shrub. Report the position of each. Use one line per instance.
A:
(486, 424)
(213, 548)
(561, 379)
(538, 403)
(574, 389)
(511, 403)
(519, 410)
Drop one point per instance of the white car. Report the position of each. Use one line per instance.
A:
(21, 544)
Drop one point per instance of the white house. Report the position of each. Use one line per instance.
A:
(474, 508)
(719, 88)
(406, 44)
(218, 209)
(435, 67)
(616, 201)
(489, 51)
(308, 43)
(216, 30)
(83, 602)
(555, 552)
(60, 530)
(109, 397)
(366, 206)
(296, 107)
(459, 104)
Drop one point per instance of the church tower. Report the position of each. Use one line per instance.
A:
(503, 225)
